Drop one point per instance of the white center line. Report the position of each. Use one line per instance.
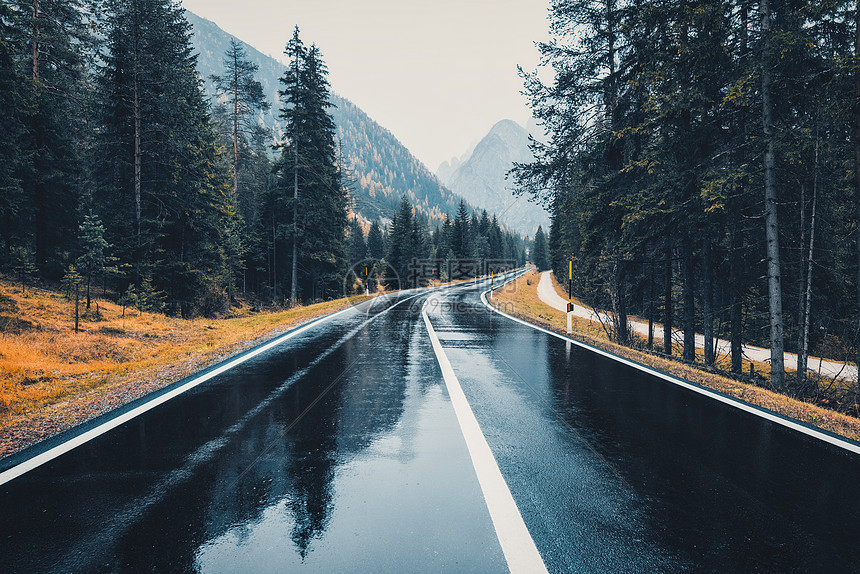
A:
(517, 545)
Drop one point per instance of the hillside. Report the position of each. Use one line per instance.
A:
(380, 168)
(480, 178)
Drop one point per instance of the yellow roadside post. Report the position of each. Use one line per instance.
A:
(570, 296)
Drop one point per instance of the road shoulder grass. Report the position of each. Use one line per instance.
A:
(521, 300)
(52, 379)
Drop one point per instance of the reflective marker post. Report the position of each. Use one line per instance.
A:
(570, 297)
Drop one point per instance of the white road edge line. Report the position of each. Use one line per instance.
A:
(89, 435)
(834, 440)
(517, 545)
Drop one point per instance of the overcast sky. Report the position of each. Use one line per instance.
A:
(436, 73)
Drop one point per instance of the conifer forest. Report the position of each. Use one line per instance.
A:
(703, 170)
(119, 173)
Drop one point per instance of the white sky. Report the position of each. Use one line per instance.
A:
(436, 73)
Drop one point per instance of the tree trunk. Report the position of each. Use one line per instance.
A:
(621, 295)
(801, 298)
(137, 135)
(651, 309)
(89, 281)
(667, 304)
(856, 122)
(689, 301)
(35, 41)
(774, 279)
(293, 277)
(77, 299)
(274, 262)
(803, 351)
(235, 124)
(708, 304)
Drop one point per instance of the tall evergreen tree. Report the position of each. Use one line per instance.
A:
(161, 172)
(13, 101)
(375, 242)
(56, 45)
(94, 256)
(399, 253)
(308, 163)
(357, 245)
(244, 97)
(540, 252)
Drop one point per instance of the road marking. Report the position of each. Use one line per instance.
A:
(517, 545)
(767, 415)
(89, 435)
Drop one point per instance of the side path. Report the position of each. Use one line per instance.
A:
(831, 369)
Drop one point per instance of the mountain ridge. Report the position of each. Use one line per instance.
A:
(481, 177)
(379, 166)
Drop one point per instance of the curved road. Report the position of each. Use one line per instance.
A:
(338, 449)
(832, 369)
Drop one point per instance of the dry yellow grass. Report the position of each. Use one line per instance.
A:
(521, 299)
(45, 366)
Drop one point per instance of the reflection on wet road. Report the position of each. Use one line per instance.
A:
(615, 470)
(339, 451)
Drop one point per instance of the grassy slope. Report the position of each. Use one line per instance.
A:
(520, 299)
(52, 378)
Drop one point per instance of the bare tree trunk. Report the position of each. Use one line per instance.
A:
(651, 309)
(801, 299)
(35, 41)
(689, 301)
(39, 191)
(736, 287)
(77, 300)
(235, 123)
(708, 304)
(856, 122)
(667, 304)
(293, 278)
(274, 263)
(621, 295)
(774, 278)
(137, 136)
(803, 351)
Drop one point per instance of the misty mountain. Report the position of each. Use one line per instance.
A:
(379, 168)
(480, 177)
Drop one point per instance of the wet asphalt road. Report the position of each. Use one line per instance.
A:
(338, 451)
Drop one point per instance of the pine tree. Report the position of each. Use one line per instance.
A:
(93, 247)
(540, 251)
(400, 243)
(56, 45)
(244, 97)
(308, 171)
(162, 177)
(13, 97)
(461, 236)
(375, 242)
(357, 245)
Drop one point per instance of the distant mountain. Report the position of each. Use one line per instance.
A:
(380, 168)
(480, 178)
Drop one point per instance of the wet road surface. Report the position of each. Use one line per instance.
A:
(338, 451)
